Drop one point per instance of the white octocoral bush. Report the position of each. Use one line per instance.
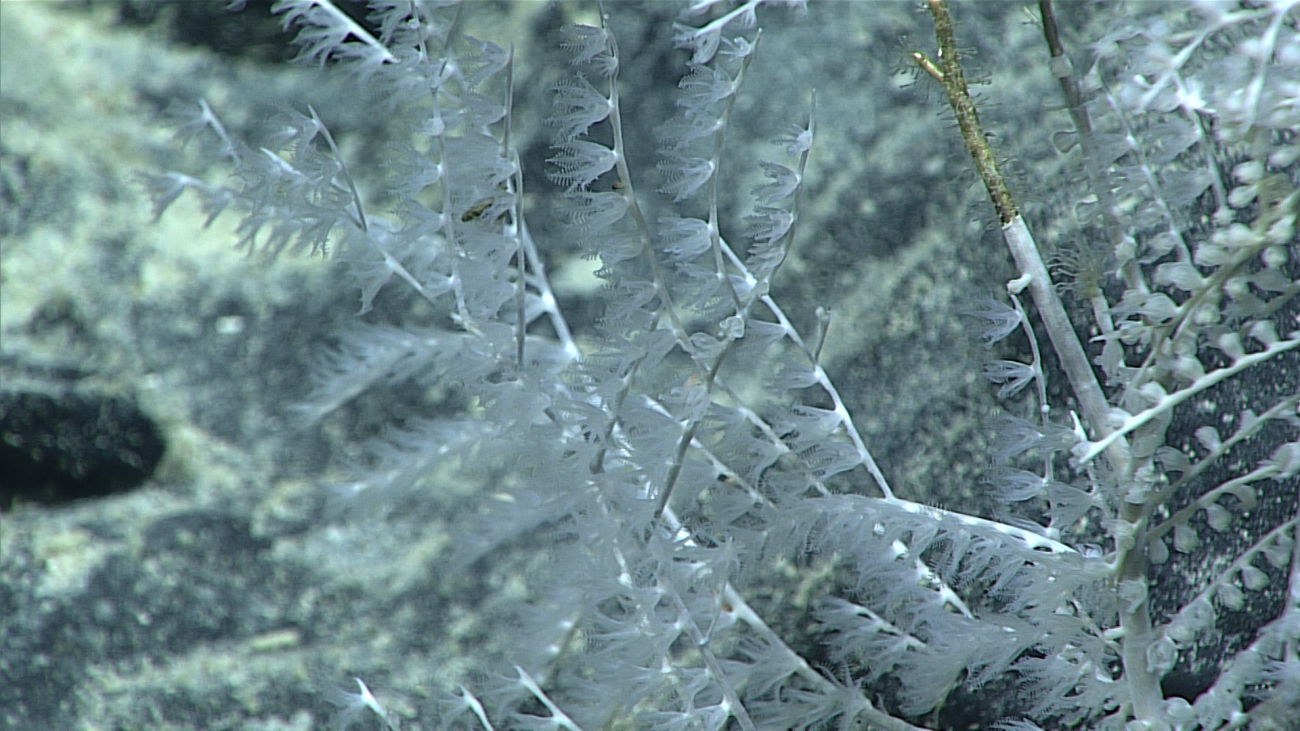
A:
(670, 484)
